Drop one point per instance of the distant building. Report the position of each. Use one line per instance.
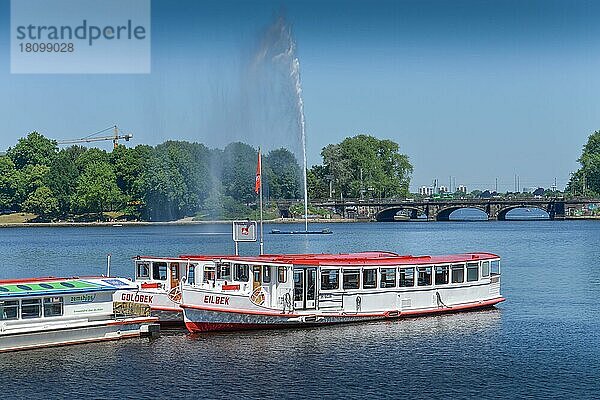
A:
(462, 189)
(426, 191)
(443, 189)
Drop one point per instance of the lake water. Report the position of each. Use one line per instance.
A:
(544, 341)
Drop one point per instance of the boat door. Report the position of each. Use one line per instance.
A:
(257, 273)
(174, 269)
(305, 288)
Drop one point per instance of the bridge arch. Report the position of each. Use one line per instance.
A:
(501, 214)
(388, 214)
(444, 213)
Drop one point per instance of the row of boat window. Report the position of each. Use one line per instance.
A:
(405, 277)
(31, 308)
(224, 271)
(239, 273)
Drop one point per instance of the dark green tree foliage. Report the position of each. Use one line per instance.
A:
(34, 149)
(62, 177)
(366, 166)
(239, 172)
(283, 174)
(163, 188)
(318, 182)
(97, 189)
(129, 165)
(42, 203)
(176, 180)
(30, 178)
(9, 184)
(587, 179)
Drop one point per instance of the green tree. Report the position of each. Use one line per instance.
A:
(366, 166)
(239, 172)
(283, 174)
(586, 180)
(34, 149)
(63, 175)
(163, 188)
(318, 182)
(97, 190)
(29, 179)
(129, 165)
(42, 203)
(192, 162)
(91, 156)
(9, 184)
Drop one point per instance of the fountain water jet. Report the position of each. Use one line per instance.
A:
(279, 47)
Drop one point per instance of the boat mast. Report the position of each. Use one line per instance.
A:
(259, 178)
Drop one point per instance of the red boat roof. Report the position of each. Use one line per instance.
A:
(363, 258)
(366, 258)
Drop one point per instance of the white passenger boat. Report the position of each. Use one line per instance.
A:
(158, 281)
(316, 289)
(44, 312)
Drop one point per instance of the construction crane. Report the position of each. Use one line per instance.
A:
(91, 138)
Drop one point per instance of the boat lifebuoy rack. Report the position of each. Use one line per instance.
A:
(175, 294)
(258, 296)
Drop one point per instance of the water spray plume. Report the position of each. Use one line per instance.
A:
(278, 49)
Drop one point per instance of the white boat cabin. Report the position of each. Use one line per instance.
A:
(361, 282)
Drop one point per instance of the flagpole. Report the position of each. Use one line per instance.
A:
(261, 203)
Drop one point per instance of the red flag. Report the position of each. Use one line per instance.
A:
(258, 175)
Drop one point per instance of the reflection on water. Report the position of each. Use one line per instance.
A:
(544, 341)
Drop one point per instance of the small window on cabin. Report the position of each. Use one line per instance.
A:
(143, 270)
(388, 277)
(266, 274)
(495, 267)
(31, 308)
(329, 279)
(53, 306)
(298, 286)
(472, 272)
(224, 271)
(9, 309)
(209, 273)
(241, 272)
(281, 274)
(174, 271)
(191, 274)
(351, 278)
(407, 277)
(485, 268)
(441, 274)
(369, 278)
(424, 276)
(458, 273)
(159, 271)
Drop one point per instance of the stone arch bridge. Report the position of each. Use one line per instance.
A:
(440, 210)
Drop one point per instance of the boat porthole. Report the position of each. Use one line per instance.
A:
(67, 284)
(46, 286)
(24, 287)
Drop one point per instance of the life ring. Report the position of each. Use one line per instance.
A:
(175, 294)
(258, 296)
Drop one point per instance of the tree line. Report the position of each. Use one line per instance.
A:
(586, 180)
(178, 179)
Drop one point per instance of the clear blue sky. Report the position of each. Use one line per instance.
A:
(471, 89)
